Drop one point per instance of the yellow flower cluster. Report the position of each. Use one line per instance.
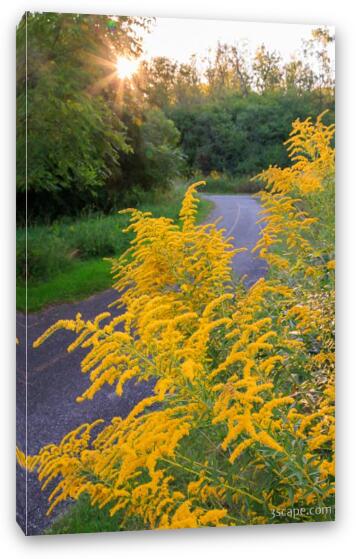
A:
(288, 238)
(241, 417)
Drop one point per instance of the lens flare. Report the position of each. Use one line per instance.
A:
(125, 67)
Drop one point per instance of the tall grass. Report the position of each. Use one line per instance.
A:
(54, 248)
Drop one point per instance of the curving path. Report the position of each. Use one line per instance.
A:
(239, 214)
(53, 377)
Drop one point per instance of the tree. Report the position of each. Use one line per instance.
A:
(74, 135)
(228, 70)
(267, 70)
(298, 76)
(239, 63)
(187, 83)
(156, 80)
(157, 158)
(240, 135)
(160, 141)
(317, 53)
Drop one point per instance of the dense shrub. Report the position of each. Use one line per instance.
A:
(239, 136)
(155, 161)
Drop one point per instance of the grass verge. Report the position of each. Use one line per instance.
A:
(78, 282)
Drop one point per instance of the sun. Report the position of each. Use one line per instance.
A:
(125, 67)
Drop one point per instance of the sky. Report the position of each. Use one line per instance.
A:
(180, 38)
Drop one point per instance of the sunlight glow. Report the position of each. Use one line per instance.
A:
(125, 67)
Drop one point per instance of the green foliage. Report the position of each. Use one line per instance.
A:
(75, 136)
(97, 142)
(228, 71)
(231, 185)
(240, 135)
(155, 161)
(267, 70)
(42, 258)
(53, 248)
(160, 144)
(224, 184)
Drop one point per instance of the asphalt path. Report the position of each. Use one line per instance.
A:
(48, 379)
(240, 214)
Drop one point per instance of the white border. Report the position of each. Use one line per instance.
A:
(302, 541)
